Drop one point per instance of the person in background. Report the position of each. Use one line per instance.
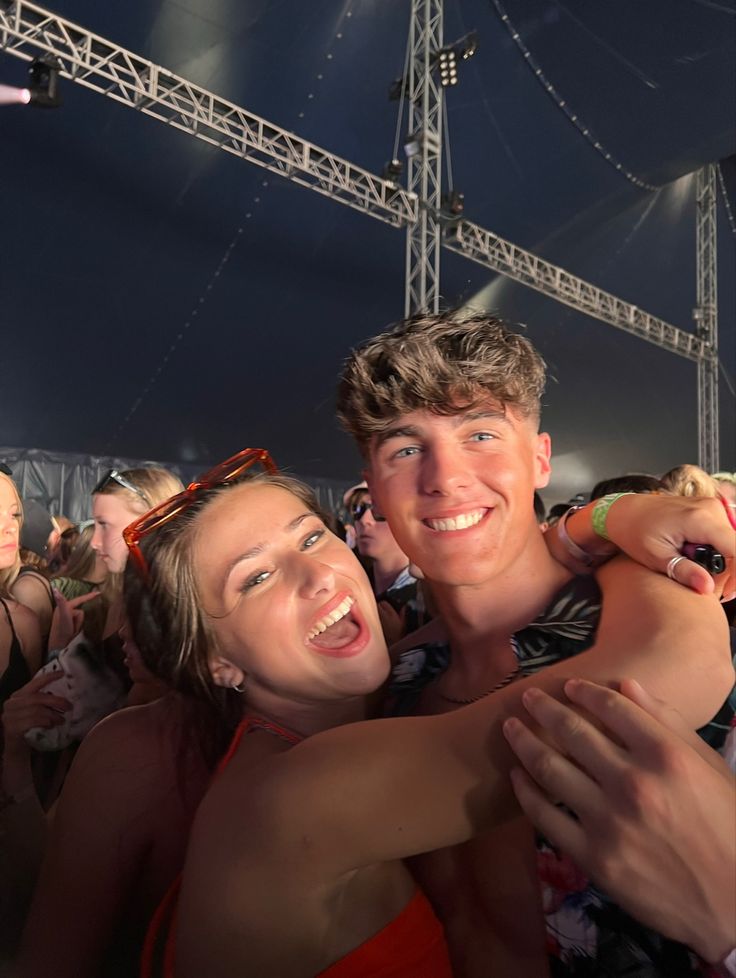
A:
(632, 482)
(726, 484)
(689, 480)
(397, 591)
(20, 635)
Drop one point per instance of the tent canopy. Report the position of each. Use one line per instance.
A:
(162, 299)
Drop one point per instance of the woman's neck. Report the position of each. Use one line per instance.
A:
(304, 717)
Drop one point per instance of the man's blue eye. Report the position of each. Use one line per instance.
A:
(404, 452)
(483, 435)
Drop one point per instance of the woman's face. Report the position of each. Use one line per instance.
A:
(10, 520)
(289, 603)
(111, 515)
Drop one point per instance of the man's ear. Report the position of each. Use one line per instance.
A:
(225, 673)
(542, 460)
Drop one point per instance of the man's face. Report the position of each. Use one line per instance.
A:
(457, 490)
(373, 537)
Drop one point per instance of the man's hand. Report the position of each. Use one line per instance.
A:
(656, 808)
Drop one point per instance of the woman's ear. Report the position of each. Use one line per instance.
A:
(224, 673)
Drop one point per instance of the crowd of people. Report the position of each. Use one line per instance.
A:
(442, 732)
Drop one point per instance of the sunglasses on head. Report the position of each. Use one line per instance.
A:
(228, 471)
(114, 476)
(360, 509)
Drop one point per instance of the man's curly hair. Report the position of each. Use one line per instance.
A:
(440, 363)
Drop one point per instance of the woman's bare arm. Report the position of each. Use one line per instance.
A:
(97, 840)
(392, 788)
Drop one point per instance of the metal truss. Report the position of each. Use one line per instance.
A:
(426, 101)
(706, 317)
(489, 249)
(29, 31)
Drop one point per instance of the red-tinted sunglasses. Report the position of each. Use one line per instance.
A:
(227, 471)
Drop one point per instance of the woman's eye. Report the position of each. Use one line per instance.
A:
(256, 579)
(312, 539)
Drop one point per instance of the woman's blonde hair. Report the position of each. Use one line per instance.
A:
(689, 480)
(9, 574)
(154, 485)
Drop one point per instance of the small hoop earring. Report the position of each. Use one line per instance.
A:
(238, 687)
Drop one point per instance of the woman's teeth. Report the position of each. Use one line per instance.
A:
(334, 616)
(461, 522)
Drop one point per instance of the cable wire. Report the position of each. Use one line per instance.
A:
(562, 103)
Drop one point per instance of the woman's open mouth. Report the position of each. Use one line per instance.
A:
(340, 632)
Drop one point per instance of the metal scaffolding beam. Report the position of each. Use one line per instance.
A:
(706, 317)
(425, 100)
(494, 252)
(29, 31)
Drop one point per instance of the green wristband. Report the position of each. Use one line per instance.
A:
(600, 512)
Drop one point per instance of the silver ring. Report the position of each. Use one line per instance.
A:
(671, 567)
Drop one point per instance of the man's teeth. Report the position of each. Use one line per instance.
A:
(334, 616)
(461, 522)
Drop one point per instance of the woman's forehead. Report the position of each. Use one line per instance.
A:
(257, 505)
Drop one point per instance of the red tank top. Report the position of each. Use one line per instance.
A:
(412, 945)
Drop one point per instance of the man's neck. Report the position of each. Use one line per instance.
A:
(482, 618)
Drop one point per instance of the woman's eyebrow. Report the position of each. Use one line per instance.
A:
(257, 549)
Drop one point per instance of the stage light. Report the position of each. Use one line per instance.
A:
(397, 89)
(393, 170)
(468, 45)
(14, 96)
(416, 141)
(453, 204)
(44, 83)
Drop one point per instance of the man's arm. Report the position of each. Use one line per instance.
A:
(656, 808)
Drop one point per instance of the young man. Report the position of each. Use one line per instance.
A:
(446, 414)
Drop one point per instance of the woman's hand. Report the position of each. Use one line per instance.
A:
(30, 707)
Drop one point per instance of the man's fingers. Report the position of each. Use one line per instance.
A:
(655, 707)
(551, 770)
(631, 724)
(556, 824)
(580, 740)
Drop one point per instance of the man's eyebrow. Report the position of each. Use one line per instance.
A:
(482, 415)
(461, 417)
(396, 431)
(259, 548)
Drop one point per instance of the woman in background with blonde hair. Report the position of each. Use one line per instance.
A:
(689, 480)
(20, 634)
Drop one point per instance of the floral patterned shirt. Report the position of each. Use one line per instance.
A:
(588, 936)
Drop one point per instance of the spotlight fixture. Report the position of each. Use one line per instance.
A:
(397, 89)
(468, 45)
(452, 204)
(393, 170)
(416, 141)
(43, 83)
(447, 64)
